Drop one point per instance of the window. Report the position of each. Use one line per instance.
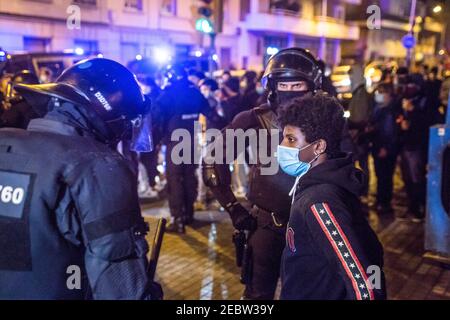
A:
(135, 5)
(88, 46)
(32, 44)
(182, 51)
(169, 7)
(245, 9)
(225, 55)
(339, 12)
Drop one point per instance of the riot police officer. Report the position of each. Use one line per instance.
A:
(290, 73)
(18, 112)
(70, 220)
(179, 107)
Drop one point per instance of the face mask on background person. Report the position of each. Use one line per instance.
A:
(260, 90)
(379, 98)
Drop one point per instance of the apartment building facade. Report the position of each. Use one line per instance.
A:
(122, 30)
(428, 30)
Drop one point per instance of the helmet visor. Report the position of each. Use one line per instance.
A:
(142, 140)
(289, 66)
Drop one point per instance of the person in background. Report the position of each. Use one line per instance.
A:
(414, 141)
(383, 135)
(79, 206)
(432, 88)
(327, 84)
(179, 107)
(195, 76)
(249, 93)
(231, 103)
(330, 249)
(360, 107)
(443, 97)
(210, 90)
(263, 93)
(150, 159)
(225, 77)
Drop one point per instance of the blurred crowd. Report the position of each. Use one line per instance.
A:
(390, 124)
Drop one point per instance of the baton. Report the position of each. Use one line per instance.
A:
(156, 248)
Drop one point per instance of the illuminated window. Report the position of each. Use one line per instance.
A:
(289, 7)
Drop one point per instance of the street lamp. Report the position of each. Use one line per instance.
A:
(437, 8)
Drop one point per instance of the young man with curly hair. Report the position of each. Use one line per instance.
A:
(331, 252)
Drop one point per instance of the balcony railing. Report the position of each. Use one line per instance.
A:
(92, 3)
(284, 12)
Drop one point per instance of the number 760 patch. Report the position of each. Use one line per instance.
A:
(13, 193)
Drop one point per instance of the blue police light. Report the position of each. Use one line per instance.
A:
(139, 57)
(79, 51)
(2, 54)
(162, 55)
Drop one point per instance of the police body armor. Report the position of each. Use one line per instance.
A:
(278, 185)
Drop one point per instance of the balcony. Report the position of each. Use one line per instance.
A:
(265, 17)
(93, 11)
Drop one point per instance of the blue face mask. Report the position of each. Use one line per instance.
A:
(289, 160)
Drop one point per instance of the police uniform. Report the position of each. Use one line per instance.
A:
(268, 194)
(179, 107)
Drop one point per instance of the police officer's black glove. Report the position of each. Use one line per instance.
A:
(155, 291)
(241, 218)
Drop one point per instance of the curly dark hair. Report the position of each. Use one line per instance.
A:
(318, 116)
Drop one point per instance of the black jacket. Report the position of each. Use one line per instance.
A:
(331, 251)
(385, 131)
(76, 206)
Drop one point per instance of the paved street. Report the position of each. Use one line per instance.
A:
(201, 264)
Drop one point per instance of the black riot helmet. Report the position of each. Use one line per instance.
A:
(108, 94)
(292, 64)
